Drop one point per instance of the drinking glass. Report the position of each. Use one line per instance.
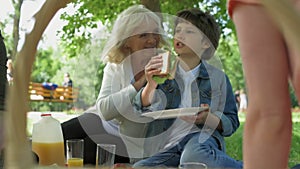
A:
(105, 156)
(75, 152)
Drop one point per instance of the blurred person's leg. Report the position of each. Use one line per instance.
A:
(267, 135)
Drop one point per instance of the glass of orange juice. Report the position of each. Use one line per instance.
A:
(74, 148)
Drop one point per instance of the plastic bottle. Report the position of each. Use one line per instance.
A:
(47, 141)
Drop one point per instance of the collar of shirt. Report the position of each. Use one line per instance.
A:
(189, 75)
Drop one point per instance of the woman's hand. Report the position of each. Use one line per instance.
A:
(200, 118)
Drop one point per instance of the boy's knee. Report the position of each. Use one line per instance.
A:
(200, 154)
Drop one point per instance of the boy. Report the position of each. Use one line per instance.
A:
(196, 138)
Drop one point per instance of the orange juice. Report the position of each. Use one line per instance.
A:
(75, 162)
(49, 153)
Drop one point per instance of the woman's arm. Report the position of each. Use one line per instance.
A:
(115, 97)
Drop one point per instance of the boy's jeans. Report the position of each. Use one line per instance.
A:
(190, 149)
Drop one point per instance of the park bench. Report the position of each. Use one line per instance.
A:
(60, 94)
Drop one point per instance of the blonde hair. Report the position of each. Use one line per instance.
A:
(124, 27)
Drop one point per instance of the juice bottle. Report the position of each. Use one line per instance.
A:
(47, 141)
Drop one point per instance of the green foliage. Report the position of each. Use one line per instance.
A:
(92, 13)
(231, 60)
(89, 14)
(48, 106)
(86, 75)
(45, 66)
(294, 100)
(8, 39)
(86, 71)
(234, 144)
(173, 6)
(77, 51)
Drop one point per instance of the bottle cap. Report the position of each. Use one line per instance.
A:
(45, 114)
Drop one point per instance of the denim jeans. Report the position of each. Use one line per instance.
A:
(190, 149)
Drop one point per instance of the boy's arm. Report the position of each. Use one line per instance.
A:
(223, 111)
(229, 117)
(214, 121)
(157, 101)
(147, 94)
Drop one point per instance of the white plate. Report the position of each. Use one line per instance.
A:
(173, 113)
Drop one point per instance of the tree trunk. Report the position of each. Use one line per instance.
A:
(16, 36)
(17, 152)
(153, 5)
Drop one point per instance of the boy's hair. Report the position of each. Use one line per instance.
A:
(203, 21)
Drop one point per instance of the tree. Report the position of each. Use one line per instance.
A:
(90, 12)
(17, 4)
(17, 154)
(76, 36)
(88, 15)
(45, 66)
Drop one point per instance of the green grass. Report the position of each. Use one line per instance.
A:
(234, 143)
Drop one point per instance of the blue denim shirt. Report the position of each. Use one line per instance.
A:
(211, 87)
